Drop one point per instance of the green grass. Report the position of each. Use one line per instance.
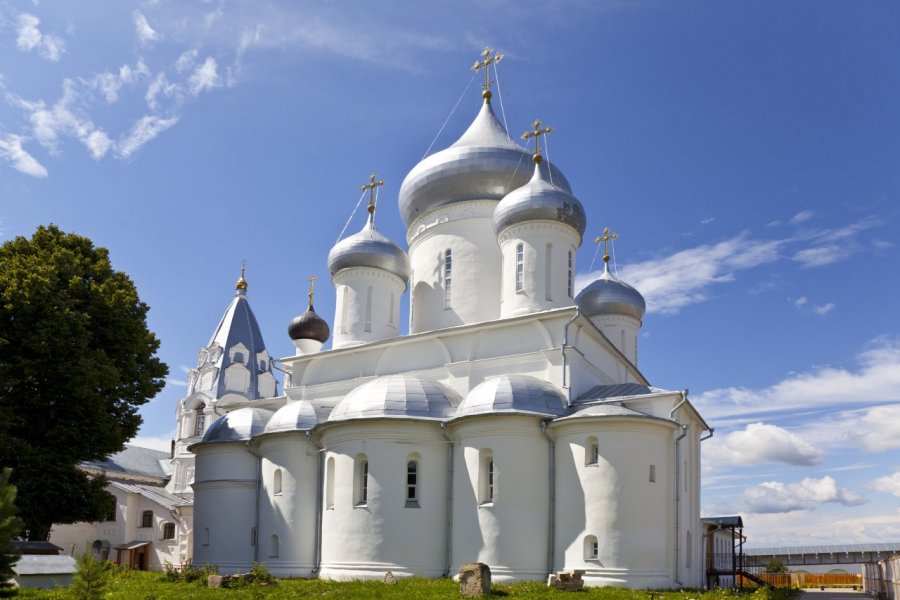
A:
(137, 585)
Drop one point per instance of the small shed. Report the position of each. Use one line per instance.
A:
(44, 571)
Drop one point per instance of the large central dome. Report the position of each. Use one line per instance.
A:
(483, 164)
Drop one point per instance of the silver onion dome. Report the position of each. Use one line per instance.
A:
(238, 425)
(610, 296)
(309, 326)
(369, 248)
(483, 164)
(513, 394)
(397, 396)
(539, 200)
(293, 416)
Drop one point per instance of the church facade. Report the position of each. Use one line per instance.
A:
(510, 426)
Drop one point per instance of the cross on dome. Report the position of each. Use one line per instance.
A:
(536, 133)
(241, 284)
(312, 283)
(371, 186)
(485, 63)
(605, 239)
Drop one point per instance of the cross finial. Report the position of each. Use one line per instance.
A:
(312, 283)
(485, 63)
(241, 284)
(605, 239)
(536, 133)
(371, 187)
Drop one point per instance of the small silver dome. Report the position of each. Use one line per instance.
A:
(309, 326)
(513, 393)
(397, 396)
(293, 416)
(609, 296)
(539, 200)
(483, 164)
(369, 248)
(238, 426)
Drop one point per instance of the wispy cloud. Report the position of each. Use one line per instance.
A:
(779, 497)
(12, 152)
(824, 309)
(205, 77)
(145, 129)
(142, 28)
(30, 38)
(802, 217)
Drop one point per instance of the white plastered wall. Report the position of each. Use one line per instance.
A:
(367, 306)
(622, 331)
(466, 229)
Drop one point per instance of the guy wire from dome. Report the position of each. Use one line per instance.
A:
(607, 294)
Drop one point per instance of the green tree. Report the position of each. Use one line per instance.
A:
(92, 577)
(10, 526)
(76, 362)
(776, 566)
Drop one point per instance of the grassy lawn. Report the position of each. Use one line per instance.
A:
(136, 585)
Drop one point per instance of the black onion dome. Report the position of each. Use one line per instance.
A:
(309, 326)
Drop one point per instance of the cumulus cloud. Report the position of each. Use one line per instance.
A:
(876, 380)
(142, 28)
(144, 130)
(778, 497)
(30, 38)
(760, 443)
(19, 159)
(888, 483)
(205, 77)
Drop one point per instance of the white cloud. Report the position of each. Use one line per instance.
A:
(109, 84)
(778, 497)
(145, 129)
(186, 60)
(142, 28)
(800, 302)
(876, 380)
(760, 443)
(707, 221)
(98, 143)
(824, 309)
(205, 77)
(12, 152)
(888, 483)
(159, 86)
(819, 256)
(30, 38)
(154, 442)
(802, 216)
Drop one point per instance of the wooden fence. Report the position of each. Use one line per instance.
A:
(796, 580)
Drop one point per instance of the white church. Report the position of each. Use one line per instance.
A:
(510, 426)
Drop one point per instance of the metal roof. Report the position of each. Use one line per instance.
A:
(132, 545)
(513, 394)
(609, 295)
(734, 521)
(603, 410)
(369, 248)
(238, 325)
(35, 547)
(239, 425)
(539, 200)
(886, 548)
(397, 396)
(134, 460)
(618, 390)
(44, 564)
(156, 494)
(293, 416)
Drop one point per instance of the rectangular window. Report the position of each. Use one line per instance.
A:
(448, 276)
(391, 311)
(547, 273)
(345, 299)
(369, 308)
(147, 518)
(520, 268)
(412, 484)
(361, 481)
(485, 476)
(652, 473)
(571, 283)
(168, 531)
(364, 493)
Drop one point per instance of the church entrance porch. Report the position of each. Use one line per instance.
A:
(134, 555)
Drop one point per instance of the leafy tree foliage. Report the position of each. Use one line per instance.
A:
(776, 566)
(76, 362)
(10, 526)
(92, 577)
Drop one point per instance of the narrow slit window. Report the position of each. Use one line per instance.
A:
(448, 276)
(592, 451)
(329, 484)
(345, 308)
(276, 482)
(361, 481)
(591, 548)
(273, 550)
(520, 267)
(486, 476)
(548, 272)
(369, 308)
(412, 483)
(391, 311)
(570, 285)
(652, 473)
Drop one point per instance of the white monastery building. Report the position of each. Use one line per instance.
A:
(510, 426)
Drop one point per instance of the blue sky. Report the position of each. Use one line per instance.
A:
(746, 153)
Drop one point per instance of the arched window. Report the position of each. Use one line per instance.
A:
(591, 548)
(329, 484)
(571, 279)
(147, 518)
(361, 481)
(412, 483)
(485, 476)
(273, 547)
(591, 451)
(520, 267)
(168, 532)
(448, 276)
(199, 420)
(276, 483)
(548, 272)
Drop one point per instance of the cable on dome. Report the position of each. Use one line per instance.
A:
(547, 152)
(355, 208)
(593, 260)
(518, 164)
(447, 120)
(500, 96)
(615, 267)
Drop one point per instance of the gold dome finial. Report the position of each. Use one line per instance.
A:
(241, 284)
(605, 239)
(536, 133)
(312, 283)
(485, 63)
(371, 187)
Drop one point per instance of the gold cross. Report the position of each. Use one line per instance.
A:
(536, 133)
(371, 187)
(607, 237)
(312, 283)
(487, 61)
(242, 283)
